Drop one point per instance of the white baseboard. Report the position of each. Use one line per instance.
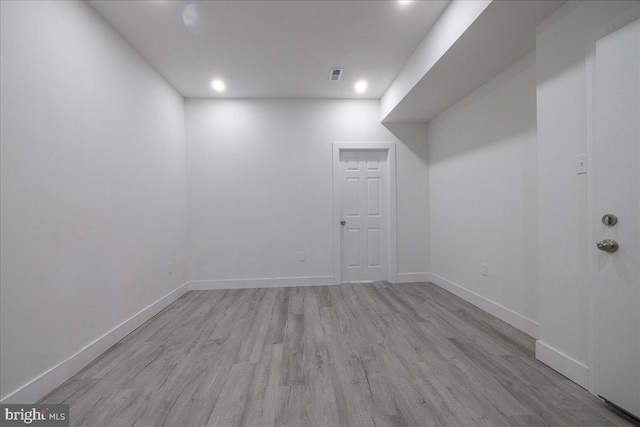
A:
(286, 282)
(276, 282)
(516, 320)
(37, 388)
(413, 277)
(570, 368)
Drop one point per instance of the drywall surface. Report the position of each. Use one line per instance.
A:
(260, 187)
(561, 46)
(454, 21)
(412, 200)
(93, 185)
(483, 194)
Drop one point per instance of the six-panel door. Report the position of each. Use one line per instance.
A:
(364, 206)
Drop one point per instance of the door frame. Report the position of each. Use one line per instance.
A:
(612, 26)
(390, 148)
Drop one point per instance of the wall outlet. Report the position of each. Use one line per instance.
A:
(302, 257)
(170, 268)
(483, 269)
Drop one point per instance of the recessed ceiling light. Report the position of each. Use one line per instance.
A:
(218, 85)
(404, 2)
(361, 86)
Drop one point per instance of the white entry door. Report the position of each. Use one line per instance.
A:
(364, 196)
(616, 190)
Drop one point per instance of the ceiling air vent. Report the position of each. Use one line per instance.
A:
(335, 74)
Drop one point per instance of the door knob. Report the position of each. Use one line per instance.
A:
(608, 245)
(343, 222)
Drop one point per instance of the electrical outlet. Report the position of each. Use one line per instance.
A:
(302, 257)
(483, 269)
(170, 268)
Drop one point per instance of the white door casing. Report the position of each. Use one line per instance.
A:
(615, 189)
(364, 199)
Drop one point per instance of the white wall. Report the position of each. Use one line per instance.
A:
(561, 46)
(259, 187)
(412, 200)
(93, 187)
(483, 196)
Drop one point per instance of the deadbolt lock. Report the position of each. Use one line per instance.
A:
(343, 222)
(610, 220)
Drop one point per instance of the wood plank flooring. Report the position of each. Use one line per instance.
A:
(351, 355)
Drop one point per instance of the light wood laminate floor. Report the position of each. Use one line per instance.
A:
(351, 355)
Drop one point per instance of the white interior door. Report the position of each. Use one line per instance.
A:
(364, 196)
(616, 190)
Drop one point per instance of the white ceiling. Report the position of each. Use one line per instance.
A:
(280, 49)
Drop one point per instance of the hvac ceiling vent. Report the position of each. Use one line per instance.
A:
(335, 74)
